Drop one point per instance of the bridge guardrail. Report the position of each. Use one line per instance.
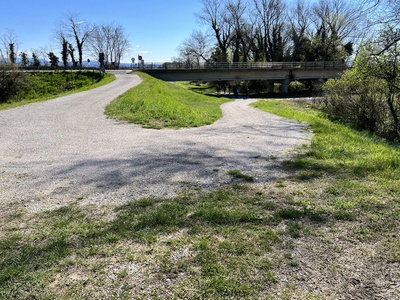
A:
(249, 65)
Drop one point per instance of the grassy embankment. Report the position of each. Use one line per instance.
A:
(45, 85)
(158, 104)
(336, 215)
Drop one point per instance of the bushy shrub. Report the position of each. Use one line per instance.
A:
(258, 86)
(364, 98)
(13, 83)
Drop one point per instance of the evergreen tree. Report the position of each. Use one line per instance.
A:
(64, 53)
(24, 59)
(36, 61)
(12, 55)
(53, 59)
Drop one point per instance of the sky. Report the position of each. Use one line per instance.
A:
(155, 28)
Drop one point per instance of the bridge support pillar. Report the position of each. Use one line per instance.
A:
(285, 86)
(271, 87)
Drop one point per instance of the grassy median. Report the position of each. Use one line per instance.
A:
(322, 231)
(159, 104)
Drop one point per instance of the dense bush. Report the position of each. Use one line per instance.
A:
(366, 97)
(13, 83)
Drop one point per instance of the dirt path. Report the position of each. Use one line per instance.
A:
(66, 150)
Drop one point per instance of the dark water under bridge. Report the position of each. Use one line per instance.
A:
(275, 72)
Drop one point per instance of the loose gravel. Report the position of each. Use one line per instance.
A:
(66, 150)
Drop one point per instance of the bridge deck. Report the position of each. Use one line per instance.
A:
(248, 65)
(282, 72)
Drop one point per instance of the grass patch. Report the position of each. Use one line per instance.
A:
(158, 104)
(45, 85)
(204, 88)
(204, 244)
(337, 148)
(240, 175)
(356, 174)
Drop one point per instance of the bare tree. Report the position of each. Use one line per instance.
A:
(111, 40)
(196, 48)
(300, 23)
(279, 30)
(43, 51)
(99, 42)
(386, 12)
(8, 46)
(272, 32)
(384, 60)
(76, 31)
(213, 15)
(388, 17)
(62, 35)
(236, 18)
(120, 44)
(335, 24)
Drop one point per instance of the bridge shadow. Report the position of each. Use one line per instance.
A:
(300, 95)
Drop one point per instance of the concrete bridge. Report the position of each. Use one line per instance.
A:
(274, 72)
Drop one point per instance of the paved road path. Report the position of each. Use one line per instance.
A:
(63, 150)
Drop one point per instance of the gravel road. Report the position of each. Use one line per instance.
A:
(64, 150)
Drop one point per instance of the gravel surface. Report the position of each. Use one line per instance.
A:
(63, 150)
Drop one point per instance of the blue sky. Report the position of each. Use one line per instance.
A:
(155, 27)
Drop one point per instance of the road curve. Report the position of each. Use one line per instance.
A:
(66, 150)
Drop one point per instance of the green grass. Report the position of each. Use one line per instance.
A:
(240, 175)
(45, 85)
(218, 247)
(204, 88)
(337, 148)
(158, 104)
(337, 207)
(359, 173)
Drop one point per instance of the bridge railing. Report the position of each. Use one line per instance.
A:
(249, 65)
